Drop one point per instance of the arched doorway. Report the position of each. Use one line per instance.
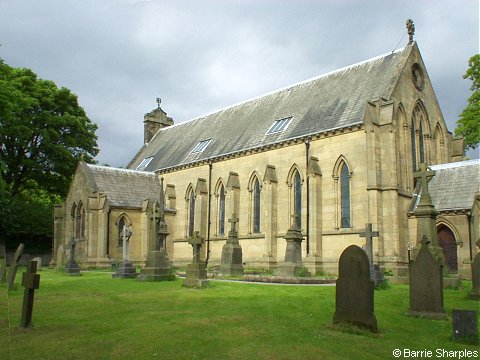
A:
(447, 241)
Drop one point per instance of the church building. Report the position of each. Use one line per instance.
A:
(329, 154)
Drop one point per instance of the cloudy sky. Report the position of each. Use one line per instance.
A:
(200, 56)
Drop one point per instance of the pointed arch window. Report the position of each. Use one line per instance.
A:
(256, 206)
(191, 212)
(121, 223)
(345, 196)
(80, 221)
(221, 211)
(297, 199)
(414, 146)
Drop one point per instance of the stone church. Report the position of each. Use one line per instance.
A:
(339, 149)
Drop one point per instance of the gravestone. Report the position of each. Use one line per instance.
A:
(196, 271)
(39, 262)
(60, 258)
(231, 261)
(12, 269)
(158, 266)
(375, 273)
(3, 261)
(426, 284)
(355, 290)
(126, 268)
(31, 281)
(72, 268)
(464, 324)
(292, 264)
(475, 294)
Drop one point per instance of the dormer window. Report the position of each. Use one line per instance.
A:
(201, 146)
(279, 125)
(144, 163)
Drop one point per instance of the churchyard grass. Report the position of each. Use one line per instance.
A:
(96, 317)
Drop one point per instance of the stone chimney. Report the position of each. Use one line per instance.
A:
(153, 121)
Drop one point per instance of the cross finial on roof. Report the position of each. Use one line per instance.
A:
(159, 101)
(410, 30)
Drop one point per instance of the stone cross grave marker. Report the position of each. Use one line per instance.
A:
(425, 175)
(231, 261)
(196, 241)
(292, 263)
(475, 294)
(375, 274)
(126, 268)
(126, 234)
(72, 267)
(12, 270)
(426, 284)
(3, 260)
(354, 302)
(196, 275)
(31, 281)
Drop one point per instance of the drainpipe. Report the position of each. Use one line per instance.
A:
(210, 166)
(108, 233)
(470, 245)
(307, 161)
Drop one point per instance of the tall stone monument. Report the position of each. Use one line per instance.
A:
(292, 264)
(72, 268)
(375, 273)
(475, 294)
(354, 301)
(126, 268)
(231, 262)
(426, 265)
(158, 266)
(12, 270)
(196, 271)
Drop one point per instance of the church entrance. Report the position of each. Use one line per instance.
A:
(447, 241)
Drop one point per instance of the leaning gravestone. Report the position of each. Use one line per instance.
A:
(31, 281)
(231, 261)
(464, 323)
(196, 273)
(426, 284)
(12, 270)
(354, 291)
(475, 294)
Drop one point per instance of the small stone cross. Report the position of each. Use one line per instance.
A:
(72, 250)
(126, 234)
(296, 220)
(31, 281)
(425, 175)
(233, 221)
(424, 240)
(196, 241)
(369, 235)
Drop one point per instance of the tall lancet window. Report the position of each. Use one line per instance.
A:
(297, 199)
(256, 206)
(421, 144)
(191, 213)
(221, 211)
(414, 146)
(345, 196)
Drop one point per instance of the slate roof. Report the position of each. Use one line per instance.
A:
(454, 185)
(330, 101)
(124, 188)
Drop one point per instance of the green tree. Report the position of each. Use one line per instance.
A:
(44, 132)
(468, 125)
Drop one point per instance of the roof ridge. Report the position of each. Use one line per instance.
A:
(112, 169)
(329, 73)
(457, 164)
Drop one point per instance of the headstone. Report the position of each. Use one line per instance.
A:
(72, 268)
(126, 268)
(355, 290)
(196, 272)
(60, 258)
(231, 261)
(39, 262)
(31, 281)
(475, 294)
(375, 273)
(464, 323)
(158, 266)
(3, 261)
(292, 264)
(12, 270)
(426, 285)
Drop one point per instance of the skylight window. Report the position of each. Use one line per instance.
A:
(279, 125)
(200, 147)
(144, 163)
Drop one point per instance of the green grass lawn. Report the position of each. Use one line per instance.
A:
(96, 317)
